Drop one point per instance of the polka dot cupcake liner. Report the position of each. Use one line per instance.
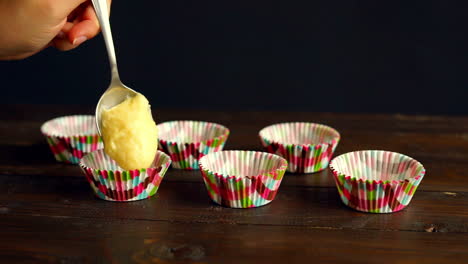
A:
(242, 179)
(376, 181)
(111, 183)
(71, 137)
(187, 141)
(308, 147)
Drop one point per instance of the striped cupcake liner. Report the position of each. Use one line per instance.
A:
(242, 179)
(308, 147)
(111, 183)
(71, 137)
(376, 181)
(187, 141)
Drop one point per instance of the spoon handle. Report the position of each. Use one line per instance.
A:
(100, 6)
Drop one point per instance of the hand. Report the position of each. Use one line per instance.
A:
(29, 26)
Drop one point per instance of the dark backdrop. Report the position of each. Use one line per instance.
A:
(334, 56)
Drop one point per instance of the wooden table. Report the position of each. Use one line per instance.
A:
(48, 213)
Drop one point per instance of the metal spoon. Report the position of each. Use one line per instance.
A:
(117, 91)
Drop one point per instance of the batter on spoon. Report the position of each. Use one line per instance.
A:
(130, 134)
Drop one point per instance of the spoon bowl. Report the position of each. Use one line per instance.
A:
(113, 96)
(117, 91)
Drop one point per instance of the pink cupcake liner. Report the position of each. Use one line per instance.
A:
(242, 179)
(187, 141)
(376, 181)
(308, 147)
(112, 183)
(71, 137)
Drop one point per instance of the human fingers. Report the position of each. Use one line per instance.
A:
(64, 8)
(61, 41)
(86, 27)
(86, 24)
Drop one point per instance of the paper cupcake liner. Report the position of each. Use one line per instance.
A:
(376, 181)
(71, 137)
(242, 179)
(187, 141)
(308, 147)
(111, 183)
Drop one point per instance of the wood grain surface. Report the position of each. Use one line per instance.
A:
(48, 213)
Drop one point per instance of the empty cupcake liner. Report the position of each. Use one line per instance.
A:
(376, 181)
(242, 179)
(187, 141)
(308, 147)
(71, 137)
(112, 183)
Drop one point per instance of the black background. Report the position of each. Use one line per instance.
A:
(325, 56)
